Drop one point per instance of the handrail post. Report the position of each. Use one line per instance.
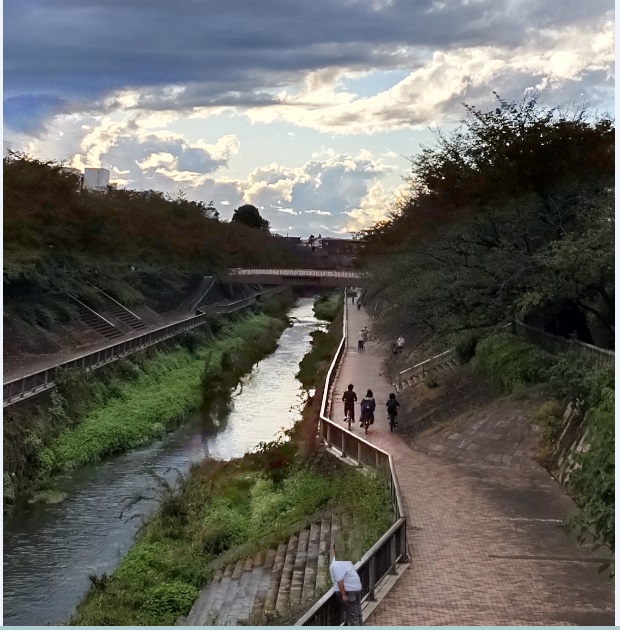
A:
(372, 579)
(403, 543)
(393, 555)
(342, 442)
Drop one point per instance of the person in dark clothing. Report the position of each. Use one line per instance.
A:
(392, 407)
(368, 406)
(349, 398)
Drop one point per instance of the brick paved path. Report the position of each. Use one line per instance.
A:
(486, 541)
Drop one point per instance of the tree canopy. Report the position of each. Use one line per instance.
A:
(250, 216)
(510, 215)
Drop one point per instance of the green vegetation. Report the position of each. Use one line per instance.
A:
(512, 213)
(593, 479)
(314, 366)
(130, 403)
(221, 506)
(141, 247)
(328, 305)
(512, 364)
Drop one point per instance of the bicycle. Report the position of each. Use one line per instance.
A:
(392, 421)
(366, 422)
(349, 418)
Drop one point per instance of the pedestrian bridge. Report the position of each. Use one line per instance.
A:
(312, 277)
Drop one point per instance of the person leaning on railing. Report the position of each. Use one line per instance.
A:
(348, 589)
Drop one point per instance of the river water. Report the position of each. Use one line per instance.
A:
(51, 549)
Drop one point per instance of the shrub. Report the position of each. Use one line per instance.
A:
(593, 478)
(466, 347)
(549, 419)
(510, 362)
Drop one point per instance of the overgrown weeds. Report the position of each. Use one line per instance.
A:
(225, 505)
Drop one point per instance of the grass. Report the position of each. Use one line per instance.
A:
(328, 306)
(220, 506)
(162, 396)
(90, 416)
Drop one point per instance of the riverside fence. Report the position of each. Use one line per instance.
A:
(605, 358)
(379, 562)
(32, 384)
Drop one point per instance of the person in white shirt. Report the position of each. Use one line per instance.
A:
(348, 589)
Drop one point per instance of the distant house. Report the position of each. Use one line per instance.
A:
(344, 246)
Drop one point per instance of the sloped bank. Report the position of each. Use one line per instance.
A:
(128, 404)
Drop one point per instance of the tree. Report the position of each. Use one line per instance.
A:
(250, 216)
(509, 214)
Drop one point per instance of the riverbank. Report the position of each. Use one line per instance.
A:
(227, 509)
(92, 415)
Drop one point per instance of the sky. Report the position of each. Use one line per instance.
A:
(310, 110)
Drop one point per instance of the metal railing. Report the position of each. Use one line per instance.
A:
(421, 368)
(554, 343)
(32, 384)
(300, 273)
(380, 561)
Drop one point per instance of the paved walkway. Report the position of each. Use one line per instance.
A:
(486, 541)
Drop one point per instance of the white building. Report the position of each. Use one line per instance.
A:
(96, 178)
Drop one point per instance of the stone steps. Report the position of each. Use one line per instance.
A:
(270, 584)
(418, 378)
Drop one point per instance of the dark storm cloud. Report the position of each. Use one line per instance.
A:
(26, 112)
(234, 52)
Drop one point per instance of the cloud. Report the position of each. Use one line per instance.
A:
(278, 58)
(564, 63)
(25, 113)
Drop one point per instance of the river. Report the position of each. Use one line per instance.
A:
(51, 549)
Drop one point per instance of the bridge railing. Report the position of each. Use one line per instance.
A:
(32, 384)
(301, 273)
(380, 561)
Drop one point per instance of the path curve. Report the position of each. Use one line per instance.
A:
(487, 542)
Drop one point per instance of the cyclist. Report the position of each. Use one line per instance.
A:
(349, 398)
(368, 406)
(392, 408)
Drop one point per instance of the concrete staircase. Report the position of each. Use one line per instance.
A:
(98, 323)
(121, 313)
(416, 377)
(273, 584)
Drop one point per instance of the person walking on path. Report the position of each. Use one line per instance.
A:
(368, 406)
(349, 398)
(348, 589)
(361, 340)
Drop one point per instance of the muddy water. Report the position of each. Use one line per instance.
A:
(51, 549)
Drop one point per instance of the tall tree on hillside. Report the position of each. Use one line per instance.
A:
(250, 216)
